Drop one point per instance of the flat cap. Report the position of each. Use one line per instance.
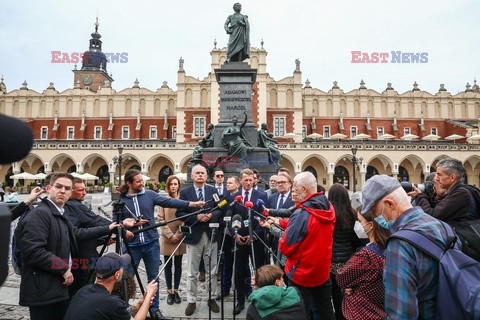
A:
(376, 188)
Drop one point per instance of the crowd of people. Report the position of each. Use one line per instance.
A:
(291, 250)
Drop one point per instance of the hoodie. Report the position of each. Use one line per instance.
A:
(273, 302)
(307, 241)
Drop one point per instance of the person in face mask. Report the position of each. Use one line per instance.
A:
(410, 276)
(361, 277)
(344, 240)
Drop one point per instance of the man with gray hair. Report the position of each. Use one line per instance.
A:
(307, 244)
(410, 276)
(458, 204)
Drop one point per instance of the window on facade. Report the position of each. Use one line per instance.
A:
(326, 132)
(304, 132)
(199, 127)
(279, 127)
(406, 130)
(125, 132)
(353, 132)
(98, 133)
(379, 132)
(44, 133)
(70, 133)
(153, 132)
(174, 132)
(434, 131)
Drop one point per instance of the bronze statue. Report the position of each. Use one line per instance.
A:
(266, 141)
(238, 28)
(206, 142)
(233, 138)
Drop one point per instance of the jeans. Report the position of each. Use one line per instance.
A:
(150, 253)
(168, 271)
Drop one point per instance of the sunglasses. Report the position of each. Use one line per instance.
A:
(219, 175)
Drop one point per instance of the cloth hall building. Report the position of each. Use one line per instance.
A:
(399, 134)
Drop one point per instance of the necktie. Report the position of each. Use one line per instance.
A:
(280, 203)
(200, 195)
(246, 197)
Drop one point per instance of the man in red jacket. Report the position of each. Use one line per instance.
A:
(307, 244)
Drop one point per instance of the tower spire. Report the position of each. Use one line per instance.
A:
(96, 24)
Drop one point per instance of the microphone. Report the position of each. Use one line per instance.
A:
(237, 199)
(236, 222)
(249, 204)
(220, 205)
(215, 198)
(17, 139)
(261, 204)
(228, 215)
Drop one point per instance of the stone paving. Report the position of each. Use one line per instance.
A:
(9, 291)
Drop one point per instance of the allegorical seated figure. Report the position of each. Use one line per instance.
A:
(206, 142)
(266, 141)
(238, 28)
(233, 138)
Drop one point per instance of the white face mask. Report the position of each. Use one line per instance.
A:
(358, 228)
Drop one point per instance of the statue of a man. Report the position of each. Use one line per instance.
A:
(238, 28)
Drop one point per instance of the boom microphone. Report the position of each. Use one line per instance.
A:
(17, 139)
(238, 199)
(261, 204)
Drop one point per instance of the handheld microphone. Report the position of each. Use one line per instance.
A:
(249, 204)
(215, 198)
(237, 199)
(236, 222)
(220, 205)
(261, 204)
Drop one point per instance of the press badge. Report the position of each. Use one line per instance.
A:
(245, 223)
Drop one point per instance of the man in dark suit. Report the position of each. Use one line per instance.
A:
(282, 199)
(198, 242)
(219, 177)
(243, 237)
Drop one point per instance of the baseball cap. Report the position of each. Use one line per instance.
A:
(110, 263)
(376, 188)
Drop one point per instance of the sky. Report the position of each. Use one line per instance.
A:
(321, 34)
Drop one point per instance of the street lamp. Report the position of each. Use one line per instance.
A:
(354, 163)
(119, 160)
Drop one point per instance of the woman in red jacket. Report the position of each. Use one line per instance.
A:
(361, 277)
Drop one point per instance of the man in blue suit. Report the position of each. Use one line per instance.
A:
(198, 242)
(243, 237)
(282, 199)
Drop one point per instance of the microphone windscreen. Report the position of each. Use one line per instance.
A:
(236, 221)
(229, 213)
(260, 203)
(16, 139)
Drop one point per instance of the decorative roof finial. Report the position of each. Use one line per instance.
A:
(1, 79)
(180, 64)
(96, 24)
(51, 86)
(468, 87)
(215, 43)
(415, 86)
(135, 83)
(307, 84)
(297, 65)
(389, 86)
(442, 87)
(362, 85)
(335, 85)
(165, 84)
(24, 85)
(261, 42)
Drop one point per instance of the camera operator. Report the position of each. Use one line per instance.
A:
(433, 190)
(457, 204)
(96, 301)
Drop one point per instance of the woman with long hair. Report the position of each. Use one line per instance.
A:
(169, 241)
(344, 239)
(361, 277)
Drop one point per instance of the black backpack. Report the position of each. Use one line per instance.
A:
(16, 253)
(469, 231)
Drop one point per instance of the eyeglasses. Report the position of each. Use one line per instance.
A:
(282, 182)
(219, 175)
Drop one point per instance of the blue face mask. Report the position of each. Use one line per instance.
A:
(382, 222)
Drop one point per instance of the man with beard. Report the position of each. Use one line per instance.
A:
(95, 301)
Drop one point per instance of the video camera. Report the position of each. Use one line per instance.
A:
(426, 187)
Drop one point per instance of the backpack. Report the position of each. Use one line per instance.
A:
(458, 287)
(16, 253)
(469, 231)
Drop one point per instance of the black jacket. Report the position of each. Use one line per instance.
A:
(82, 217)
(344, 245)
(47, 241)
